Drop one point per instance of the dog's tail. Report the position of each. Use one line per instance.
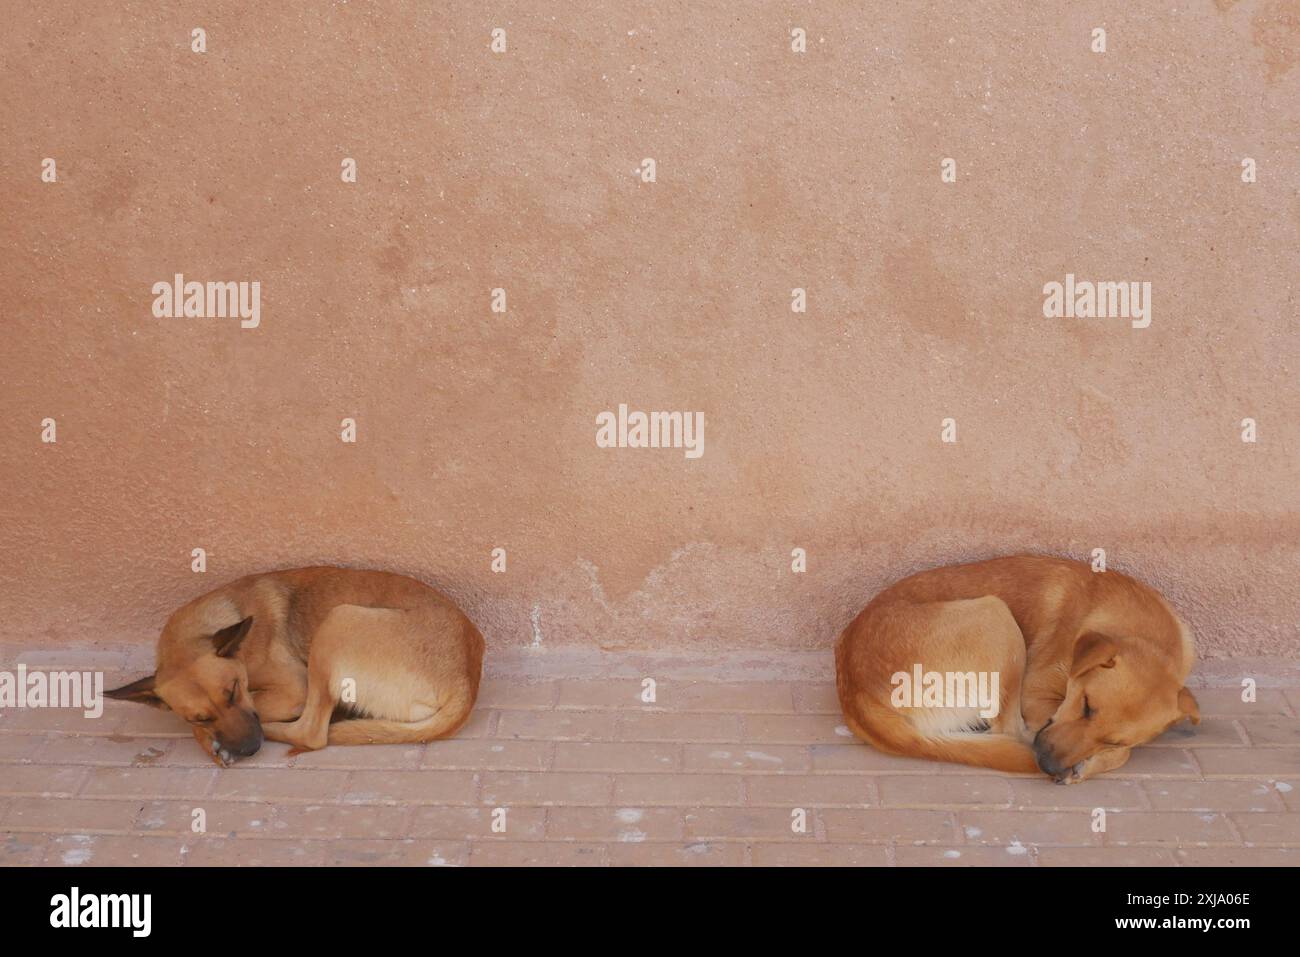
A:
(444, 722)
(887, 730)
(1001, 752)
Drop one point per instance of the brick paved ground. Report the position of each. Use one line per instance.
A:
(712, 773)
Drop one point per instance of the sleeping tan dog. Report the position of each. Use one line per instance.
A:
(281, 654)
(1078, 667)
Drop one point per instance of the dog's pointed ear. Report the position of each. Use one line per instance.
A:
(1188, 707)
(228, 640)
(1093, 650)
(141, 691)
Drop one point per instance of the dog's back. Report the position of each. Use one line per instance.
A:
(1052, 599)
(1019, 616)
(395, 658)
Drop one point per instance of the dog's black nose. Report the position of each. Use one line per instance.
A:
(1047, 763)
(248, 747)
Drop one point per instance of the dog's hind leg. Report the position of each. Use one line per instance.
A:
(970, 641)
(417, 680)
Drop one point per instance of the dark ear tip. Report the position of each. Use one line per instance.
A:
(142, 686)
(141, 692)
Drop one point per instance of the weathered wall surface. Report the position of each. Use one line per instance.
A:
(775, 170)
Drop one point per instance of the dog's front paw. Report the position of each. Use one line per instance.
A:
(1071, 775)
(1099, 763)
(220, 756)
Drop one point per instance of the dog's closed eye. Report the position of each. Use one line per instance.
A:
(233, 693)
(1088, 710)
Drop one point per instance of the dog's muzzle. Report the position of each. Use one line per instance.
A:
(1043, 754)
(245, 747)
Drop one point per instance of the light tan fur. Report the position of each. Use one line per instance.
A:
(283, 654)
(1059, 635)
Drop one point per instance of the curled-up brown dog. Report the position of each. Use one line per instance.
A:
(1018, 664)
(315, 656)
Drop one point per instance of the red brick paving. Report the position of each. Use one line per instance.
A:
(583, 772)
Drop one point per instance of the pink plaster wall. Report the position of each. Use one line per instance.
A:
(775, 170)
